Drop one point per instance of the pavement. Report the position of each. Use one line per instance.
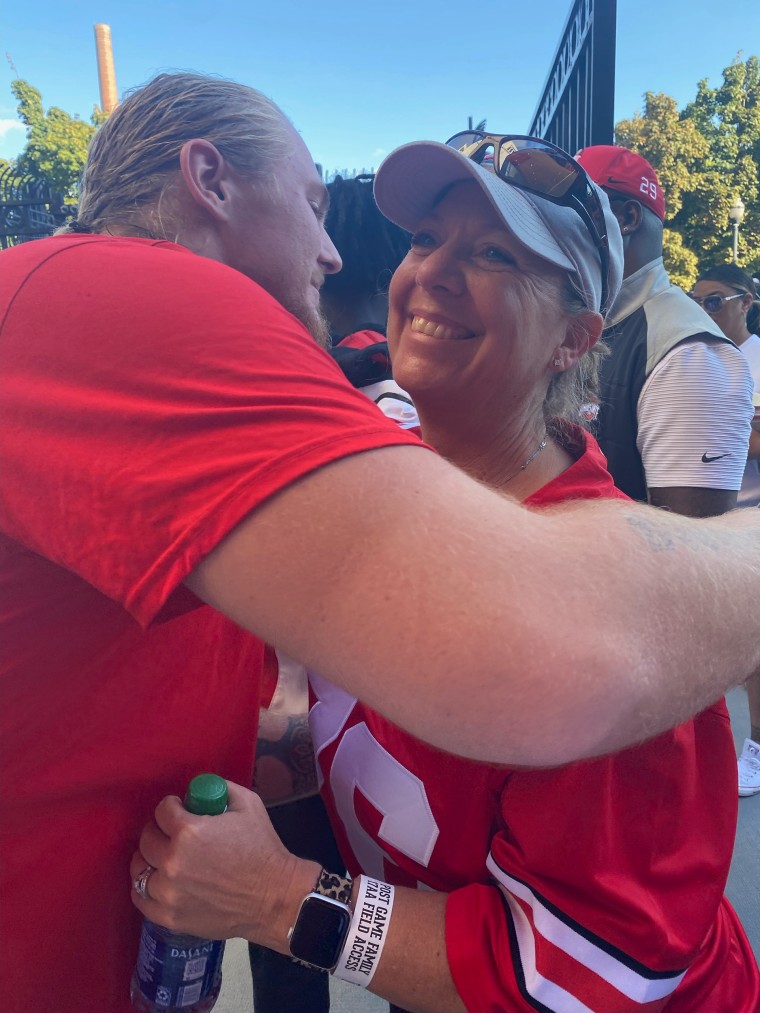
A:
(743, 891)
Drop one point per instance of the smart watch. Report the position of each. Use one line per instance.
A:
(323, 921)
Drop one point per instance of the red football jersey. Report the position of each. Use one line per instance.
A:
(597, 886)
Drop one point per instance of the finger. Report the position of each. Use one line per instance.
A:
(170, 814)
(153, 845)
(136, 865)
(149, 906)
(241, 799)
(141, 881)
(141, 874)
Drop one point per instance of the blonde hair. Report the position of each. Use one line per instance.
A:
(573, 389)
(134, 157)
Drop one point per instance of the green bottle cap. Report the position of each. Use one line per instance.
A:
(206, 795)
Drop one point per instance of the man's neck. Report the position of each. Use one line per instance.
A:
(638, 255)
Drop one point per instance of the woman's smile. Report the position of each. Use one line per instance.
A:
(436, 329)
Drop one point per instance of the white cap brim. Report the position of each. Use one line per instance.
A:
(413, 178)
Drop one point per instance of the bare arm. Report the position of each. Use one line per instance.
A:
(473, 622)
(693, 502)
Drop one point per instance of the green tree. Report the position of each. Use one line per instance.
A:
(705, 155)
(56, 145)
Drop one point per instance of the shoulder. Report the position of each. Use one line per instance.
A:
(703, 359)
(751, 352)
(137, 292)
(103, 263)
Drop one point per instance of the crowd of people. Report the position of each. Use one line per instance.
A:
(514, 666)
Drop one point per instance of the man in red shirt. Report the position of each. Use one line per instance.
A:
(173, 436)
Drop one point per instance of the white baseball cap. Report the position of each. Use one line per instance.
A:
(414, 177)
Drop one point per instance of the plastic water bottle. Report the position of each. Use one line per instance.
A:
(177, 973)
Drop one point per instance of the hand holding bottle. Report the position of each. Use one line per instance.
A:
(225, 877)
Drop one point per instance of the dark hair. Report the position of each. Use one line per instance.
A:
(734, 277)
(370, 246)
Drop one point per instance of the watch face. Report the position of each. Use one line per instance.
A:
(320, 931)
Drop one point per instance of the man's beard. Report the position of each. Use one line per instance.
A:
(314, 322)
(309, 315)
(318, 328)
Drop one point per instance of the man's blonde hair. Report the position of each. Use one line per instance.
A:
(134, 157)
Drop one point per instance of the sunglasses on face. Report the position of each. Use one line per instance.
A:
(713, 303)
(545, 170)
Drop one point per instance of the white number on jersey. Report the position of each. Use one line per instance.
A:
(362, 764)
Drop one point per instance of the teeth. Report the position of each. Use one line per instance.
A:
(423, 326)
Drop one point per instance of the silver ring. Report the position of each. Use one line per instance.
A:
(140, 885)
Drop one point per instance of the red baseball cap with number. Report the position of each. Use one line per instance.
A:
(626, 172)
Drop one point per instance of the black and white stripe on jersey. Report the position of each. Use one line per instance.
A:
(636, 981)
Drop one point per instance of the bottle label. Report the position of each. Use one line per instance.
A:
(177, 972)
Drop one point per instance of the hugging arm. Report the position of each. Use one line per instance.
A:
(460, 615)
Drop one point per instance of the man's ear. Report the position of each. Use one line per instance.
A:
(206, 174)
(582, 332)
(629, 214)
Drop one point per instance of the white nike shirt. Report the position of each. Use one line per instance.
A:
(749, 494)
(694, 416)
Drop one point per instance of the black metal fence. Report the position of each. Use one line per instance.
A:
(576, 107)
(29, 209)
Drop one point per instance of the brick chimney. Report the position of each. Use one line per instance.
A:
(106, 71)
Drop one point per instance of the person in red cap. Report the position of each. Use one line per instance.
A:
(675, 394)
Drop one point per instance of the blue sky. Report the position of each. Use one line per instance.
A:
(358, 79)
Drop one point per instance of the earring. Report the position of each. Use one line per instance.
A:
(558, 362)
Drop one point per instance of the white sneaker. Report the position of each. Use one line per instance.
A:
(749, 769)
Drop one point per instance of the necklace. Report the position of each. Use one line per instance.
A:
(532, 457)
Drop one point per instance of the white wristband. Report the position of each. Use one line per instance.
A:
(364, 944)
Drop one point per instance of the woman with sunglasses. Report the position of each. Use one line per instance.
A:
(728, 294)
(598, 886)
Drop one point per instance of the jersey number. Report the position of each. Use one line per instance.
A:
(362, 765)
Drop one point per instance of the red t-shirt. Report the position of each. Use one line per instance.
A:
(149, 400)
(596, 886)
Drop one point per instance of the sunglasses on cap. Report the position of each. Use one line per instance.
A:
(541, 168)
(713, 303)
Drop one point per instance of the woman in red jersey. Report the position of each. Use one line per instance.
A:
(594, 887)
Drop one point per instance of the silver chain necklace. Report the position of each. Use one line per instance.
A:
(532, 457)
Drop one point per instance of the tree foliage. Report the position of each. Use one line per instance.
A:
(706, 156)
(56, 145)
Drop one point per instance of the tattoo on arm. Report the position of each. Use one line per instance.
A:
(653, 534)
(698, 535)
(285, 765)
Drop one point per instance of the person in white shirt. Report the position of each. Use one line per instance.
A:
(728, 294)
(675, 399)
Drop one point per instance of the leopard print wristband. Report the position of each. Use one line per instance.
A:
(330, 884)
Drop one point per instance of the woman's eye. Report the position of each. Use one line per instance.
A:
(497, 255)
(319, 210)
(422, 240)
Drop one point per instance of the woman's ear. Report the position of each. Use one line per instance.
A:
(582, 332)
